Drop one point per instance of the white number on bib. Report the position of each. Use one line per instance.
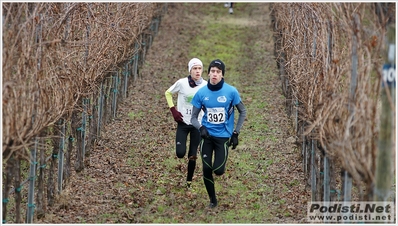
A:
(216, 115)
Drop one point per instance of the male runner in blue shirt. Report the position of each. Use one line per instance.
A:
(218, 100)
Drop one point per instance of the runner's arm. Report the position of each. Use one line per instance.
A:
(194, 117)
(169, 98)
(242, 115)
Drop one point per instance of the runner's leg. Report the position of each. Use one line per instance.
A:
(220, 155)
(192, 152)
(181, 139)
(206, 151)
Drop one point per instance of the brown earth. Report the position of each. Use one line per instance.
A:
(125, 161)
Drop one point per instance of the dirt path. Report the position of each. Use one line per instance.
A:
(134, 176)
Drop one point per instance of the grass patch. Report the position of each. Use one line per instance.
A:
(136, 115)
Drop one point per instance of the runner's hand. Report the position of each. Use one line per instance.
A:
(234, 140)
(203, 132)
(176, 114)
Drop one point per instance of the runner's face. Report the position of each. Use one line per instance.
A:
(215, 75)
(196, 72)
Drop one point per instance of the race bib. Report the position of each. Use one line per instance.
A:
(187, 111)
(216, 115)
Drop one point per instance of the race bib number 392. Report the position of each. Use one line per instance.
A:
(216, 115)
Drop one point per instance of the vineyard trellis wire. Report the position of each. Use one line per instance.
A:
(88, 74)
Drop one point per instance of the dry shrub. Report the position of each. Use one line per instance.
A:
(56, 53)
(320, 41)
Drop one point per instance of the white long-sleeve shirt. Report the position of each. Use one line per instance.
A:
(185, 95)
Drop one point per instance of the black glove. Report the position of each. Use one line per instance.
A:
(234, 140)
(203, 132)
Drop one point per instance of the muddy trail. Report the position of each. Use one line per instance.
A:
(132, 174)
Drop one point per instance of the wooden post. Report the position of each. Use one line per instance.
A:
(137, 48)
(314, 172)
(18, 188)
(326, 179)
(41, 206)
(319, 175)
(100, 109)
(115, 80)
(61, 125)
(31, 192)
(125, 83)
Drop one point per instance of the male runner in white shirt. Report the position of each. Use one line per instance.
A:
(186, 89)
